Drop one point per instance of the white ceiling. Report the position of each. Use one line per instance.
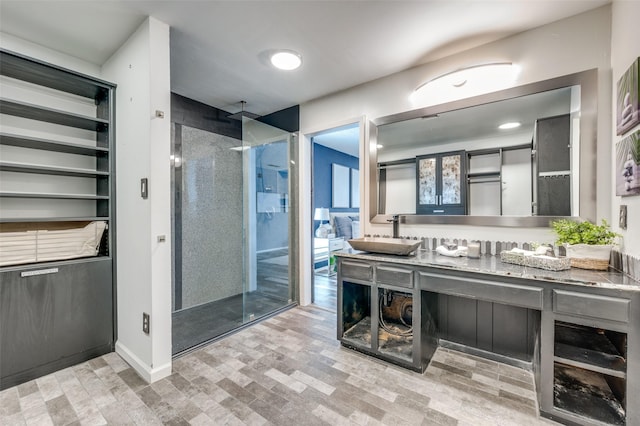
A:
(218, 48)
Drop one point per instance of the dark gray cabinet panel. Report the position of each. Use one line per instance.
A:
(394, 276)
(45, 319)
(553, 165)
(553, 135)
(356, 270)
(591, 305)
(512, 294)
(494, 327)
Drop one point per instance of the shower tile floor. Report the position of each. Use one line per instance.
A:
(285, 370)
(202, 323)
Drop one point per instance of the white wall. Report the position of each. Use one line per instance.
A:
(18, 45)
(141, 70)
(575, 44)
(624, 50)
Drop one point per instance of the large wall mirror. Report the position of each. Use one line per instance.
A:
(452, 164)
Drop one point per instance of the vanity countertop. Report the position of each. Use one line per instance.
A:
(492, 265)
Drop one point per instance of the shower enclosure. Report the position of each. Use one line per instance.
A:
(233, 229)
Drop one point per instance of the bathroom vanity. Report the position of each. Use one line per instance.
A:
(578, 331)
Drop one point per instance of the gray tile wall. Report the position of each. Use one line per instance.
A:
(211, 217)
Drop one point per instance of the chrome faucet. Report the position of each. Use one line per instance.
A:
(396, 225)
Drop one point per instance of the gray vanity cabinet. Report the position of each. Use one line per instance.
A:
(590, 367)
(380, 311)
(580, 339)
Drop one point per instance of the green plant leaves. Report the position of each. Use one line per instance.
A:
(571, 232)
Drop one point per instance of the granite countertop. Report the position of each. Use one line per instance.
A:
(492, 265)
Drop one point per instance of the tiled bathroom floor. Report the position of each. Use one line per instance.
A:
(287, 370)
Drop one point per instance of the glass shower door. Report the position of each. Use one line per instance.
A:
(232, 229)
(269, 264)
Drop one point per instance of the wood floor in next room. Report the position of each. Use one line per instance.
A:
(287, 370)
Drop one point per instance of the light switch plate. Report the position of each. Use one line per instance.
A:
(144, 188)
(622, 223)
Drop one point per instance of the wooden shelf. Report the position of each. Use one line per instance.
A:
(52, 196)
(47, 170)
(50, 115)
(50, 145)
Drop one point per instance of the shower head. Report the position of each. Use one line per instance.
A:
(242, 113)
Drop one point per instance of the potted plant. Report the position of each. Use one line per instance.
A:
(587, 245)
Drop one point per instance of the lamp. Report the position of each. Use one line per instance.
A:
(324, 229)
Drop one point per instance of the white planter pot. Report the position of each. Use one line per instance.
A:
(587, 256)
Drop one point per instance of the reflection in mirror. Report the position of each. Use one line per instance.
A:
(499, 161)
(528, 169)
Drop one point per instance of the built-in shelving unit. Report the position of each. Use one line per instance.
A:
(57, 142)
(486, 182)
(590, 372)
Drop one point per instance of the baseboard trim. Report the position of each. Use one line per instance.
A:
(148, 373)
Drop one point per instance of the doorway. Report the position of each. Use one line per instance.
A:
(335, 205)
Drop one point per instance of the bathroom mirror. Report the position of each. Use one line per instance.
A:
(520, 177)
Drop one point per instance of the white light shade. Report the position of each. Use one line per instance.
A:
(321, 214)
(511, 125)
(286, 60)
(466, 82)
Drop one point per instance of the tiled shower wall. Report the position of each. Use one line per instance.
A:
(211, 217)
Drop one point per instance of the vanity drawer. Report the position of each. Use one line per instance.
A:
(356, 270)
(591, 305)
(395, 276)
(509, 294)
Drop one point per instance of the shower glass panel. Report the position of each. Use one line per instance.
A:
(267, 218)
(231, 232)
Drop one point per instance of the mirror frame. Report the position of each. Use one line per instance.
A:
(588, 82)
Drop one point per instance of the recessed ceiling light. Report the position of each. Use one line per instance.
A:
(511, 125)
(286, 60)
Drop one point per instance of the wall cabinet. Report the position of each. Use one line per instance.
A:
(57, 171)
(552, 166)
(441, 186)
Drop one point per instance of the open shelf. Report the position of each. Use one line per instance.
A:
(52, 219)
(48, 170)
(590, 348)
(395, 324)
(34, 71)
(53, 196)
(50, 115)
(50, 145)
(586, 393)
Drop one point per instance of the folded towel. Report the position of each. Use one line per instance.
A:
(460, 251)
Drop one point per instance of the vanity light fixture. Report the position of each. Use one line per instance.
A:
(510, 125)
(287, 60)
(475, 79)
